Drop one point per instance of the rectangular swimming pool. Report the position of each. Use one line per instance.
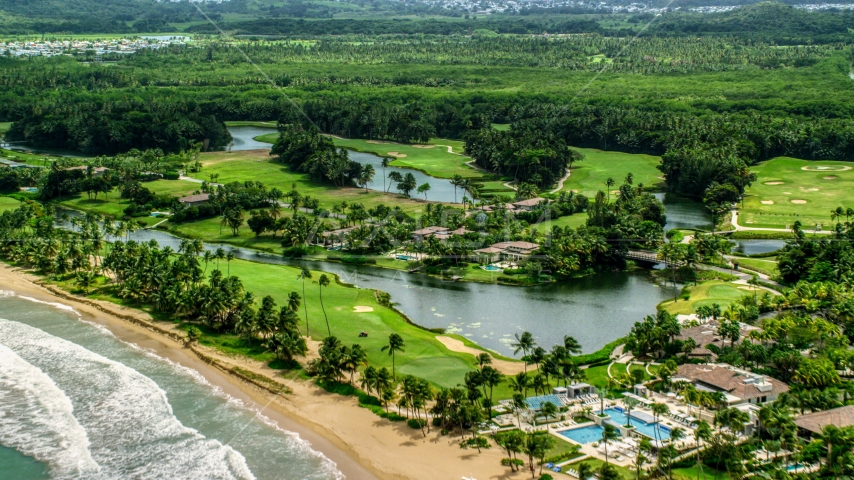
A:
(648, 429)
(583, 435)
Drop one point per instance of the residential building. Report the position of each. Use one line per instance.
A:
(707, 334)
(529, 204)
(813, 423)
(195, 200)
(739, 386)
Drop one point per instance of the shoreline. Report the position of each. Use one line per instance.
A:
(362, 445)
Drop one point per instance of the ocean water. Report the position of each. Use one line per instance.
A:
(76, 402)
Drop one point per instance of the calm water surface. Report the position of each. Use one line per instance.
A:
(79, 403)
(595, 310)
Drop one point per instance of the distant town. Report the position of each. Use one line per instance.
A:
(53, 48)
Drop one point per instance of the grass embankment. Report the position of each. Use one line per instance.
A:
(789, 189)
(432, 159)
(767, 266)
(706, 293)
(254, 123)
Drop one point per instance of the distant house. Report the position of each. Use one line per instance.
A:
(337, 236)
(513, 251)
(813, 423)
(96, 171)
(707, 334)
(441, 233)
(195, 200)
(529, 204)
(739, 386)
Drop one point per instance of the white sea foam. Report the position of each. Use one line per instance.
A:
(61, 306)
(127, 417)
(38, 419)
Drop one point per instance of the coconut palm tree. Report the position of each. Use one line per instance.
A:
(323, 281)
(524, 344)
(703, 432)
(395, 344)
(384, 163)
(305, 274)
(609, 432)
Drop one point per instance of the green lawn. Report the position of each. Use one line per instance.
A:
(768, 266)
(589, 175)
(432, 159)
(4, 126)
(598, 376)
(791, 193)
(8, 203)
(29, 158)
(424, 356)
(114, 205)
(257, 166)
(707, 293)
(693, 473)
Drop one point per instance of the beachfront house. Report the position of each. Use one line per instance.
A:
(440, 233)
(738, 386)
(195, 200)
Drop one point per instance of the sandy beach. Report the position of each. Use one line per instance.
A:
(363, 445)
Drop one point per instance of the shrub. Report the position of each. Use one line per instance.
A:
(515, 461)
(546, 476)
(416, 423)
(171, 176)
(437, 421)
(357, 260)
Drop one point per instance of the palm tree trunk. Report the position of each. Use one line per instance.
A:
(328, 330)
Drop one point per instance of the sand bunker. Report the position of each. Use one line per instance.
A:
(830, 177)
(825, 168)
(809, 189)
(398, 155)
(767, 202)
(362, 309)
(799, 202)
(424, 146)
(774, 183)
(787, 193)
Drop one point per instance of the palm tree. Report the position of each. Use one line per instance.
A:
(456, 181)
(609, 183)
(228, 258)
(520, 383)
(703, 432)
(571, 345)
(303, 274)
(609, 432)
(395, 344)
(658, 409)
(323, 281)
(424, 188)
(524, 344)
(384, 163)
(294, 301)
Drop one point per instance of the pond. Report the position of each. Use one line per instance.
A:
(683, 212)
(441, 190)
(595, 310)
(754, 247)
(243, 138)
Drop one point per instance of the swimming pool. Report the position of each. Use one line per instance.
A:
(794, 467)
(492, 268)
(405, 257)
(648, 429)
(584, 435)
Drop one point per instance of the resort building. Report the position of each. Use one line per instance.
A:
(813, 423)
(337, 236)
(195, 200)
(707, 334)
(528, 205)
(739, 386)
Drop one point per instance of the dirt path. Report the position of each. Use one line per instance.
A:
(503, 366)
